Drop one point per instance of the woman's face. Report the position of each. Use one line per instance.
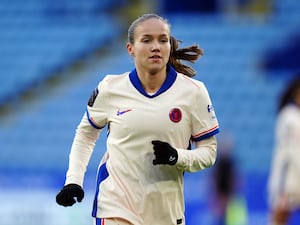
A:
(151, 48)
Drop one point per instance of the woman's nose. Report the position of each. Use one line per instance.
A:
(155, 46)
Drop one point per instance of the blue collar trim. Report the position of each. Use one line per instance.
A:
(171, 77)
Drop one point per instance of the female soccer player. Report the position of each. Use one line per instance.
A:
(284, 182)
(153, 114)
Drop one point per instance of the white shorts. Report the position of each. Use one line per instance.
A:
(111, 221)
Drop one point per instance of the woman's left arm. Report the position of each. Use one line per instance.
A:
(203, 156)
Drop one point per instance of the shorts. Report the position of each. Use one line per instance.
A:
(111, 221)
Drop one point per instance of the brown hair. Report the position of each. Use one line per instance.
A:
(190, 54)
(289, 93)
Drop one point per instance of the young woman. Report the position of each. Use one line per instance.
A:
(153, 114)
(284, 183)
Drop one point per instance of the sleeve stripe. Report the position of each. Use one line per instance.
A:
(90, 119)
(206, 134)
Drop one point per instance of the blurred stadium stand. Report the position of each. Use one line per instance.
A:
(41, 40)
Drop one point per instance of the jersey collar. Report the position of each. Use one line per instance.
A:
(170, 79)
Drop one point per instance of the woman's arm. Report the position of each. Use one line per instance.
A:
(81, 151)
(203, 156)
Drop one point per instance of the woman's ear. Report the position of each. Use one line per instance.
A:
(130, 49)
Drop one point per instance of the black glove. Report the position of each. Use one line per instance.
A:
(66, 197)
(164, 153)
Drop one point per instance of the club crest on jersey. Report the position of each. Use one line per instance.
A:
(175, 115)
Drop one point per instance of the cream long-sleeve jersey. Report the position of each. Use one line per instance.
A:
(129, 186)
(285, 167)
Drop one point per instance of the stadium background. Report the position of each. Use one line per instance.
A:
(54, 52)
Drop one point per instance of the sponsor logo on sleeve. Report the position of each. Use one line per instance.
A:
(93, 97)
(210, 108)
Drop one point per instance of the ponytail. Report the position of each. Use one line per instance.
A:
(190, 54)
(289, 93)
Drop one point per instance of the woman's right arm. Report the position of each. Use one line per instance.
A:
(81, 151)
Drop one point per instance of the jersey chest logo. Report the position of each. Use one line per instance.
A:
(175, 115)
(121, 112)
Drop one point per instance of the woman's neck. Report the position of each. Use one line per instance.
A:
(152, 82)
